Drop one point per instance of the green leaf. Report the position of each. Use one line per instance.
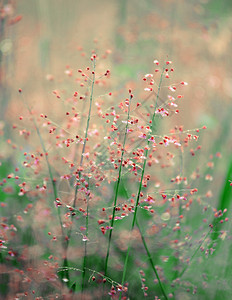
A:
(224, 201)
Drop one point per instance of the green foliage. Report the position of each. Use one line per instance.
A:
(217, 8)
(224, 202)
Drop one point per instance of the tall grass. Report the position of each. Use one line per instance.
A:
(141, 242)
(141, 179)
(117, 184)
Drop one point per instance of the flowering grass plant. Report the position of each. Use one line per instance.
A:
(105, 199)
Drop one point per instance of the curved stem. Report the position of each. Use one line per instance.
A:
(151, 261)
(48, 164)
(84, 145)
(194, 254)
(79, 175)
(141, 180)
(117, 188)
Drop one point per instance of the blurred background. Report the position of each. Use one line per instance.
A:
(43, 44)
(40, 39)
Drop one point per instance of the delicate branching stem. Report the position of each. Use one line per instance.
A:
(84, 145)
(194, 254)
(141, 180)
(151, 261)
(77, 144)
(86, 241)
(87, 126)
(148, 254)
(47, 162)
(117, 187)
(79, 175)
(50, 175)
(108, 279)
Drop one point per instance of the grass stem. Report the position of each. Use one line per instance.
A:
(85, 253)
(151, 261)
(117, 188)
(84, 145)
(47, 162)
(141, 180)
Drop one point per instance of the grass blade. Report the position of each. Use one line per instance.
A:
(141, 180)
(117, 188)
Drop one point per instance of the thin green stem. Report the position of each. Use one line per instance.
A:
(151, 261)
(141, 181)
(77, 144)
(87, 126)
(79, 175)
(86, 241)
(176, 273)
(48, 164)
(50, 174)
(148, 252)
(84, 145)
(117, 188)
(194, 254)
